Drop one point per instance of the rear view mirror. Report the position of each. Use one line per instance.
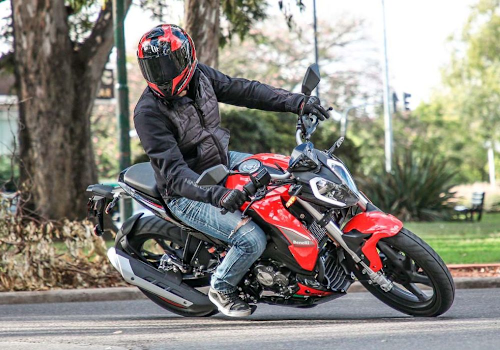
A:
(213, 176)
(311, 79)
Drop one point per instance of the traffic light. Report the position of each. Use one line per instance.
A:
(406, 96)
(395, 102)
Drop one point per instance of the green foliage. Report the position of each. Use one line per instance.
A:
(104, 141)
(417, 189)
(82, 15)
(255, 131)
(241, 15)
(463, 242)
(9, 173)
(468, 103)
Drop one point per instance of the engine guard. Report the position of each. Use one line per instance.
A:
(377, 224)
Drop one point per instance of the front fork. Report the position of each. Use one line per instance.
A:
(336, 235)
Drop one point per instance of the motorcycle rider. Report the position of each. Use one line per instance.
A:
(178, 122)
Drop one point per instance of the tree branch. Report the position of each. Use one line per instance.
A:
(95, 50)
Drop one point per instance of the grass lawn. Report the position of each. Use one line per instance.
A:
(462, 242)
(457, 242)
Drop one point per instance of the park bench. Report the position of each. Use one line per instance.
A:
(476, 207)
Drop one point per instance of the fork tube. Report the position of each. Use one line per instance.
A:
(332, 230)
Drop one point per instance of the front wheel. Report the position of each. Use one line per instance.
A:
(423, 285)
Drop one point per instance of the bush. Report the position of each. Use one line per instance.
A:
(37, 255)
(417, 189)
(9, 173)
(255, 131)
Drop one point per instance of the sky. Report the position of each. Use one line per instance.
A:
(417, 33)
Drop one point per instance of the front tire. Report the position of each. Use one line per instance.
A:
(410, 262)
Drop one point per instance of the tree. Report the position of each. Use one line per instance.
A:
(58, 72)
(280, 58)
(203, 22)
(468, 103)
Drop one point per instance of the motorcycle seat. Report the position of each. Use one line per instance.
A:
(141, 176)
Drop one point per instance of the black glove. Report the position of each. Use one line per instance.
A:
(313, 106)
(232, 200)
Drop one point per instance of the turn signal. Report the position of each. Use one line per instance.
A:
(291, 201)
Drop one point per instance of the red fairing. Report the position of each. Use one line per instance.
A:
(305, 290)
(303, 245)
(379, 225)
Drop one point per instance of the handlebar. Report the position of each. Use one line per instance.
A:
(306, 125)
(284, 176)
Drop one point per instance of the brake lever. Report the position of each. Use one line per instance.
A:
(261, 193)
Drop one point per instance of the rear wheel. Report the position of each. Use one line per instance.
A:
(150, 239)
(423, 285)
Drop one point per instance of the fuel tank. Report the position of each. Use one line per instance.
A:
(302, 244)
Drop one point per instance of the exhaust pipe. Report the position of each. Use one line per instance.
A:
(164, 285)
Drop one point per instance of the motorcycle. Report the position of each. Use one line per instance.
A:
(323, 235)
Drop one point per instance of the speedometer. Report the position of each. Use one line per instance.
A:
(250, 166)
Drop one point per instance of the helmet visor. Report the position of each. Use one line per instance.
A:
(161, 70)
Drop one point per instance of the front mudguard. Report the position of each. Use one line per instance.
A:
(377, 224)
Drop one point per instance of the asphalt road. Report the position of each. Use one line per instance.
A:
(357, 321)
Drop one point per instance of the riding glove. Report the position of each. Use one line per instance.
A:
(233, 200)
(313, 106)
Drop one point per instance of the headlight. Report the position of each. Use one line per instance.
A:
(326, 190)
(343, 174)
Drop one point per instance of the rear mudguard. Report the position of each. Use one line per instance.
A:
(167, 286)
(377, 224)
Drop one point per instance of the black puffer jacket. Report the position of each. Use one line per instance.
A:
(183, 138)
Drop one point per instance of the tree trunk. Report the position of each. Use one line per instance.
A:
(202, 23)
(58, 82)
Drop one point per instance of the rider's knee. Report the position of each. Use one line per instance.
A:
(253, 240)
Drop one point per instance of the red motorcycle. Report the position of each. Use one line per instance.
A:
(323, 235)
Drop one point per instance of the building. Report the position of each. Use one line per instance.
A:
(8, 114)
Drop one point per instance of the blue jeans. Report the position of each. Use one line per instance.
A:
(247, 242)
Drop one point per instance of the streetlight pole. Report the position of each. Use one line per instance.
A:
(343, 120)
(122, 96)
(491, 163)
(387, 105)
(315, 41)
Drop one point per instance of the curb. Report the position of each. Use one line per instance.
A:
(133, 293)
(72, 295)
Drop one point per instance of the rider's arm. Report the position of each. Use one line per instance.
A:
(251, 93)
(162, 149)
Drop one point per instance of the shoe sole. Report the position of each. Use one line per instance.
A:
(230, 313)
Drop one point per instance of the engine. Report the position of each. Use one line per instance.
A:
(272, 277)
(332, 272)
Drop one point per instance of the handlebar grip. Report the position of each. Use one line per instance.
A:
(250, 189)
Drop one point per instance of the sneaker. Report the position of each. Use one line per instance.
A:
(229, 304)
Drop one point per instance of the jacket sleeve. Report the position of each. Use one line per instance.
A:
(251, 94)
(161, 147)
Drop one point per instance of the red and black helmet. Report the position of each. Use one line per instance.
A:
(167, 58)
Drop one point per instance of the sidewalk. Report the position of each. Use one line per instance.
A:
(133, 293)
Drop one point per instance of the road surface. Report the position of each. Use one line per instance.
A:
(357, 321)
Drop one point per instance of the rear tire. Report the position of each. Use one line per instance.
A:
(432, 266)
(153, 228)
